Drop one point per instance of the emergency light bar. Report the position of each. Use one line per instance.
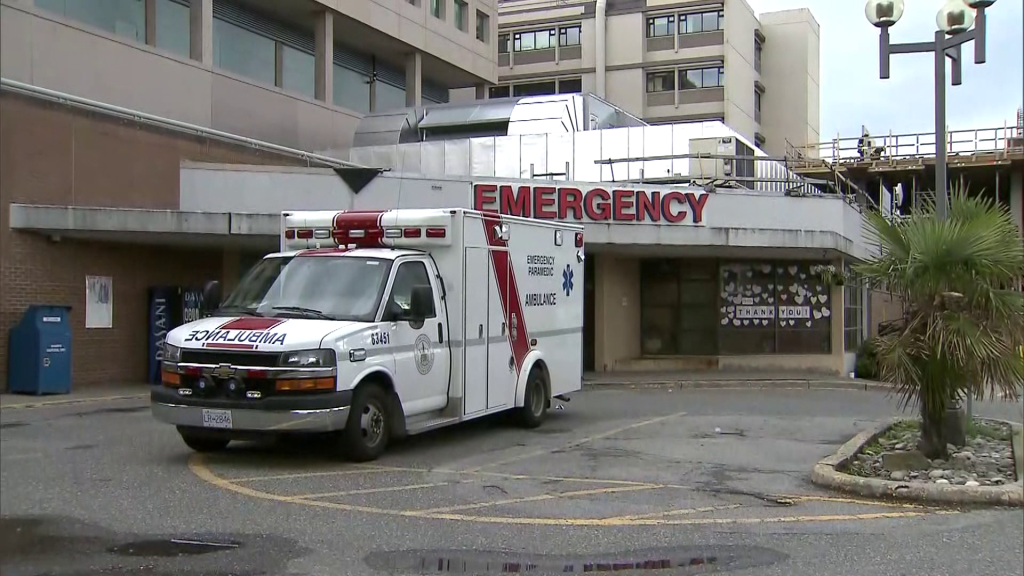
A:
(405, 228)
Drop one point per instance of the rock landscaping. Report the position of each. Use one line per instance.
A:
(986, 460)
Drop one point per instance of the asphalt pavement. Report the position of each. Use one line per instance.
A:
(661, 482)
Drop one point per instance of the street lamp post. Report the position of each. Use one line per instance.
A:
(954, 22)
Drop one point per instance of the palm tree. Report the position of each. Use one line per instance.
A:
(963, 323)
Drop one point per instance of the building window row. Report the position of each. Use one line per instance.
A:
(538, 88)
(685, 79)
(540, 39)
(688, 23)
(757, 56)
(252, 46)
(757, 105)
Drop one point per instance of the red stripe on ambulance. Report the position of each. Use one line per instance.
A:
(250, 324)
(229, 346)
(508, 290)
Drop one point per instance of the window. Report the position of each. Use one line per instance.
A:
(570, 86)
(437, 9)
(125, 18)
(757, 56)
(535, 40)
(757, 106)
(701, 22)
(853, 314)
(298, 71)
(678, 307)
(243, 52)
(534, 89)
(461, 15)
(661, 81)
(173, 31)
(499, 91)
(351, 89)
(712, 77)
(569, 36)
(483, 26)
(660, 26)
(408, 277)
(503, 44)
(388, 97)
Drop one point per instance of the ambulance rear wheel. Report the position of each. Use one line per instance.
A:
(368, 430)
(203, 442)
(535, 403)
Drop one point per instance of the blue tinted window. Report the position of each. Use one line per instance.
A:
(243, 52)
(298, 70)
(125, 18)
(351, 89)
(172, 27)
(389, 97)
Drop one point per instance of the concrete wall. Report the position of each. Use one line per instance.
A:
(740, 23)
(790, 72)
(50, 154)
(47, 51)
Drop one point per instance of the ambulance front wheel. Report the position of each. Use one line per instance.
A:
(535, 403)
(368, 430)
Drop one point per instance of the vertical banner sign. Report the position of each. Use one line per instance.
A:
(99, 302)
(159, 326)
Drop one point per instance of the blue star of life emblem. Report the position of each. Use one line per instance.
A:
(567, 280)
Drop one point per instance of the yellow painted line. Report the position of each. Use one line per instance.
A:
(856, 501)
(199, 468)
(345, 472)
(404, 488)
(679, 512)
(576, 443)
(538, 498)
(69, 401)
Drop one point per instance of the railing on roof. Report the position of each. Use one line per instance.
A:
(998, 141)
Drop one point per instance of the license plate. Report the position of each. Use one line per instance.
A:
(216, 418)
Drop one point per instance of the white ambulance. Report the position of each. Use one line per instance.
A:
(372, 325)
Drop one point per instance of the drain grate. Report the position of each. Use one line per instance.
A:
(170, 548)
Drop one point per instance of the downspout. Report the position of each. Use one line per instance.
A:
(599, 42)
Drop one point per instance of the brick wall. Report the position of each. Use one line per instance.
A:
(52, 154)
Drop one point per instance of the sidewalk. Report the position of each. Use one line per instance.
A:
(728, 379)
(10, 401)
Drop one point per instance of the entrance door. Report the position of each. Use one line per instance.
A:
(501, 368)
(589, 317)
(421, 358)
(477, 289)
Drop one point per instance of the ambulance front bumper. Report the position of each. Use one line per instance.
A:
(319, 413)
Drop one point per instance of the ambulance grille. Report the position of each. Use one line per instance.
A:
(259, 359)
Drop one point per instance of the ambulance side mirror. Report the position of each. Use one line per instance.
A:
(211, 295)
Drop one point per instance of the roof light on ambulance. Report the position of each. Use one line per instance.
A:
(436, 232)
(304, 234)
(393, 233)
(412, 232)
(321, 233)
(357, 233)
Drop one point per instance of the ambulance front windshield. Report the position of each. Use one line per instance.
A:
(330, 288)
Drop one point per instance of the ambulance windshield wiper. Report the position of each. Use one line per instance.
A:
(301, 310)
(242, 310)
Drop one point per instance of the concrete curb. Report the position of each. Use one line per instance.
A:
(791, 384)
(71, 401)
(825, 474)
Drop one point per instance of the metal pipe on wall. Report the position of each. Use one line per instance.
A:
(599, 45)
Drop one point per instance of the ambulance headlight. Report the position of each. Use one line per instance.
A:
(308, 358)
(172, 353)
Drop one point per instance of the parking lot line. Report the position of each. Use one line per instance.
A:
(344, 472)
(404, 488)
(538, 498)
(678, 512)
(575, 443)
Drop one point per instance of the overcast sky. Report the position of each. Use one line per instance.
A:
(852, 94)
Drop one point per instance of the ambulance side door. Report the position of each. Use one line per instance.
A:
(414, 319)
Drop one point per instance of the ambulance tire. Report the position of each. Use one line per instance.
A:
(201, 442)
(535, 402)
(368, 430)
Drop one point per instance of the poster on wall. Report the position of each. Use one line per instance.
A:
(99, 302)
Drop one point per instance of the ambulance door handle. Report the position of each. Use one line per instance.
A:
(502, 328)
(480, 331)
(440, 333)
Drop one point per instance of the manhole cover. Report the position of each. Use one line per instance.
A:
(170, 548)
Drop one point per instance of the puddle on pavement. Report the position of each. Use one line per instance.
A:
(171, 548)
(678, 561)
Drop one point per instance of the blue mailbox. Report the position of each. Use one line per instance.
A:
(40, 352)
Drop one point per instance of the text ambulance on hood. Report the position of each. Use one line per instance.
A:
(596, 204)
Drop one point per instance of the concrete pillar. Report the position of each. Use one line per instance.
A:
(838, 318)
(201, 31)
(1017, 199)
(481, 91)
(323, 38)
(414, 79)
(151, 22)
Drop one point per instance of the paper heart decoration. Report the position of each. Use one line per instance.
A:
(802, 275)
(771, 299)
(723, 309)
(808, 323)
(730, 287)
(792, 270)
(732, 308)
(799, 299)
(725, 321)
(747, 292)
(766, 268)
(771, 286)
(724, 295)
(757, 289)
(784, 296)
(792, 322)
(823, 298)
(814, 299)
(818, 288)
(746, 322)
(750, 273)
(817, 315)
(801, 290)
(735, 322)
(792, 288)
(826, 312)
